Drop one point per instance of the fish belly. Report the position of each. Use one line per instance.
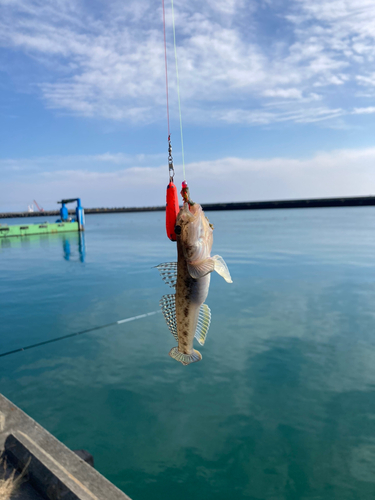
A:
(190, 295)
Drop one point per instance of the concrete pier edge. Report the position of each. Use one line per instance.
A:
(54, 471)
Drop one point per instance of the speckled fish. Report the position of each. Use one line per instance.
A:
(185, 312)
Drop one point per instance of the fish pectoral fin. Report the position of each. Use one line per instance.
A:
(168, 273)
(215, 263)
(202, 268)
(221, 268)
(168, 308)
(204, 321)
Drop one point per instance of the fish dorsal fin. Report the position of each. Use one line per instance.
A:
(204, 320)
(199, 270)
(168, 308)
(168, 273)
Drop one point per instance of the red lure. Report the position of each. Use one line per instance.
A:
(172, 210)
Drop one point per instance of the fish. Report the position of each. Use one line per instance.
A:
(185, 312)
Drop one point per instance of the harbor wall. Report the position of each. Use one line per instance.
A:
(355, 201)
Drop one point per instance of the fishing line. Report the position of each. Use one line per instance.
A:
(178, 92)
(166, 71)
(120, 322)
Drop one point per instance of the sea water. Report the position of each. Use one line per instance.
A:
(281, 407)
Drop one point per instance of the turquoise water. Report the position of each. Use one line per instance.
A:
(281, 407)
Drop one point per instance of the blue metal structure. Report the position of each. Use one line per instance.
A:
(80, 213)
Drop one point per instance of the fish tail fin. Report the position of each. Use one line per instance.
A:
(221, 268)
(185, 359)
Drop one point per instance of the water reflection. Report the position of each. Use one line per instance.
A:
(73, 244)
(82, 246)
(78, 240)
(66, 247)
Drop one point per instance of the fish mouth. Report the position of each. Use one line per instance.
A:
(195, 209)
(190, 213)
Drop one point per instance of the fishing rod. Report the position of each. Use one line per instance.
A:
(57, 339)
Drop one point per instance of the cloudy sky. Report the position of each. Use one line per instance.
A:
(278, 100)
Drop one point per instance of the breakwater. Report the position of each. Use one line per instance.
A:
(355, 201)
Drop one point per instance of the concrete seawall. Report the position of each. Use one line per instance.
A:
(355, 201)
(53, 471)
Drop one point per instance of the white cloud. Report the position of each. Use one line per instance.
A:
(118, 180)
(48, 164)
(368, 80)
(286, 93)
(297, 115)
(364, 111)
(108, 61)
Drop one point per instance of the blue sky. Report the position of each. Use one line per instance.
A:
(278, 100)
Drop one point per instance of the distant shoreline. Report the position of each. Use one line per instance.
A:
(356, 201)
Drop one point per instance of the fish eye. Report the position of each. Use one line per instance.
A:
(177, 229)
